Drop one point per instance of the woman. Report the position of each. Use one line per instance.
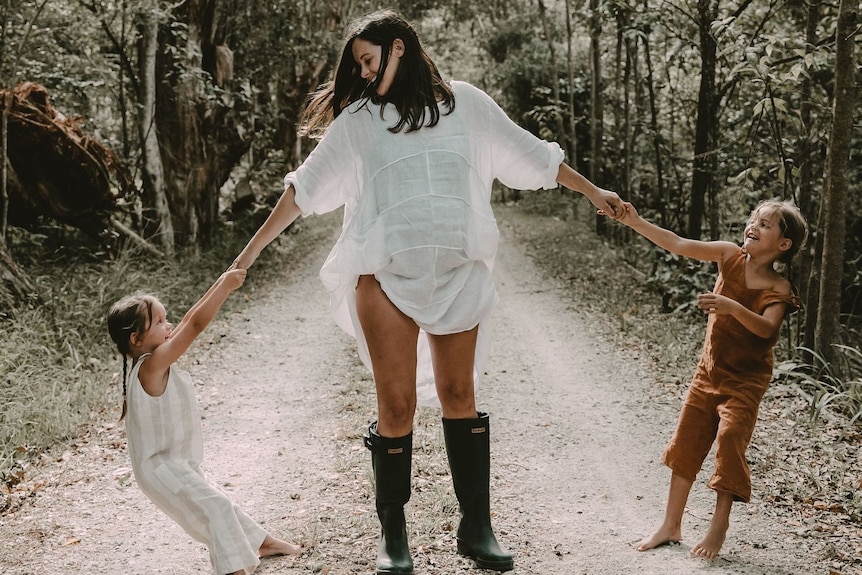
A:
(412, 159)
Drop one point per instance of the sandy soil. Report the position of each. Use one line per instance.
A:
(576, 433)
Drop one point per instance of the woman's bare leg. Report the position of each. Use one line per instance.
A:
(452, 357)
(391, 338)
(670, 530)
(711, 543)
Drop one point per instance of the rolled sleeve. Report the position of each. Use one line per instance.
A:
(327, 178)
(520, 160)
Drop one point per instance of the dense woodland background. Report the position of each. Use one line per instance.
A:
(155, 130)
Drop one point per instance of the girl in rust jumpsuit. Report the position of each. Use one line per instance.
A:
(745, 309)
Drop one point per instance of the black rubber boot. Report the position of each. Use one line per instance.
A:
(391, 459)
(469, 449)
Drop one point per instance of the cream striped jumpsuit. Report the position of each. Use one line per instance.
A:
(166, 449)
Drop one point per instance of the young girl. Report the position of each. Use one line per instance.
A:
(745, 309)
(412, 159)
(163, 428)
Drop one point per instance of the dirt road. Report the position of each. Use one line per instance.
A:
(576, 433)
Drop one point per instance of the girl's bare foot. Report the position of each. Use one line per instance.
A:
(663, 536)
(711, 544)
(272, 547)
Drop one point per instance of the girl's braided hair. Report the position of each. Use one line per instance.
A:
(132, 314)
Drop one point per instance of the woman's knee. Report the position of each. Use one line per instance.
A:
(457, 399)
(395, 412)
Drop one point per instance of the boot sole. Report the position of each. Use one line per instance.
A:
(488, 564)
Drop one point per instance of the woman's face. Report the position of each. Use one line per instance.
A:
(368, 55)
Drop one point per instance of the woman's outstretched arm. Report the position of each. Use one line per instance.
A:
(284, 213)
(607, 202)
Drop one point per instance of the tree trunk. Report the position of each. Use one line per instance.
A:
(555, 73)
(625, 122)
(660, 199)
(808, 272)
(596, 109)
(826, 333)
(4, 173)
(702, 173)
(570, 102)
(157, 211)
(202, 126)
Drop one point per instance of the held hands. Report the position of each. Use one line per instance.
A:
(233, 277)
(628, 214)
(609, 204)
(711, 303)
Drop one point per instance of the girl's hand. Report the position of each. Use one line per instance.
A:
(712, 303)
(628, 214)
(233, 278)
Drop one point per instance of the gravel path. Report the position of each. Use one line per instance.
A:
(576, 433)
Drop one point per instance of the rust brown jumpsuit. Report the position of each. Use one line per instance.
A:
(734, 371)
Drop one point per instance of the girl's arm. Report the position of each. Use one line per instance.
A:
(605, 201)
(154, 371)
(765, 325)
(282, 215)
(713, 251)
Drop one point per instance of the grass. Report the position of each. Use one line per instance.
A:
(829, 395)
(59, 371)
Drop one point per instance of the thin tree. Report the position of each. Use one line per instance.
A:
(570, 101)
(7, 105)
(596, 108)
(548, 30)
(656, 139)
(152, 170)
(15, 285)
(809, 273)
(826, 333)
(706, 129)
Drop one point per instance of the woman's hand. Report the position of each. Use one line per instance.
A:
(609, 204)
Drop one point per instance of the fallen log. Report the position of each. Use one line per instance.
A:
(56, 172)
(61, 173)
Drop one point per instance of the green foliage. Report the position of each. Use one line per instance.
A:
(680, 280)
(830, 389)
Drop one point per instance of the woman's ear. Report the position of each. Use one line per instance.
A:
(397, 47)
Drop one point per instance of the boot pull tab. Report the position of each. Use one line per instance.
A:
(367, 439)
(477, 430)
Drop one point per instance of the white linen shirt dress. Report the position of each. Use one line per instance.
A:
(166, 449)
(417, 213)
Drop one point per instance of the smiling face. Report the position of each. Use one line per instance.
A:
(763, 233)
(156, 333)
(368, 56)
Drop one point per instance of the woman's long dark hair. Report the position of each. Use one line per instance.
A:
(415, 90)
